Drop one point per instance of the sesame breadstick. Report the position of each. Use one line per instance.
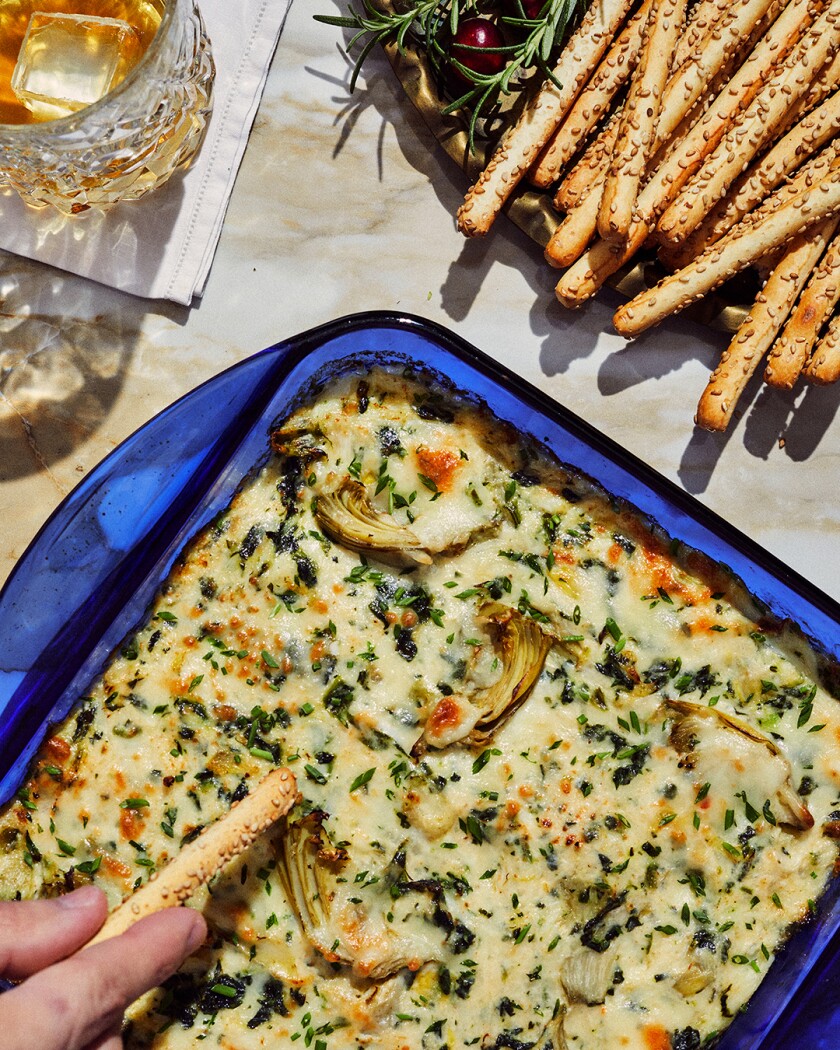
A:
(824, 366)
(694, 80)
(703, 15)
(202, 858)
(816, 304)
(761, 326)
(800, 145)
(824, 85)
(635, 141)
(738, 249)
(601, 260)
(522, 143)
(574, 233)
(720, 52)
(749, 132)
(591, 166)
(593, 102)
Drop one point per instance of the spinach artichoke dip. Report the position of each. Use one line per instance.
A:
(562, 785)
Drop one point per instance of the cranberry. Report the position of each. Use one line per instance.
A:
(486, 37)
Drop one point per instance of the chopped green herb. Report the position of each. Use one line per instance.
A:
(362, 779)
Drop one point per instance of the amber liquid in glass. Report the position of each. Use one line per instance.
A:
(142, 15)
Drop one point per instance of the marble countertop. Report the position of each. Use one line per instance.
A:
(346, 203)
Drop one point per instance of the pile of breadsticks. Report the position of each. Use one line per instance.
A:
(710, 134)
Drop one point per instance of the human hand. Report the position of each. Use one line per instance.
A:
(76, 1001)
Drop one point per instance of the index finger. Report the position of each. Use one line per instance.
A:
(34, 934)
(69, 1005)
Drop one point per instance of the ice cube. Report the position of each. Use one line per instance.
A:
(66, 62)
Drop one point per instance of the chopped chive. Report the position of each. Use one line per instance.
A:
(362, 779)
(523, 933)
(89, 867)
(225, 990)
(484, 758)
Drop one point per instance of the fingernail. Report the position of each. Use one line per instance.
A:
(85, 897)
(197, 932)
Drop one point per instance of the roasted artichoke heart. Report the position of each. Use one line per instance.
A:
(698, 975)
(587, 976)
(341, 930)
(521, 646)
(348, 517)
(308, 868)
(733, 755)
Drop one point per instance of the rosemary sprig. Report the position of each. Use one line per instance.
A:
(431, 25)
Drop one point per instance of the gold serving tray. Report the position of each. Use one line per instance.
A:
(532, 210)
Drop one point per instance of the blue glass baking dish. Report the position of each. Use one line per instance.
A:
(88, 576)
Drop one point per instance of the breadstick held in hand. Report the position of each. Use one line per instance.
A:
(202, 858)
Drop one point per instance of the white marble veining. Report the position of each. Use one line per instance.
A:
(346, 204)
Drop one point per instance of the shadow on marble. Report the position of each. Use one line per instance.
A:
(762, 429)
(464, 279)
(381, 91)
(567, 335)
(351, 107)
(700, 459)
(64, 353)
(814, 416)
(794, 422)
(470, 269)
(802, 418)
(664, 349)
(768, 414)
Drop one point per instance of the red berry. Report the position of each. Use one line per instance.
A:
(486, 37)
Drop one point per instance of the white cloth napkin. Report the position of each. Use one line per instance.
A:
(161, 246)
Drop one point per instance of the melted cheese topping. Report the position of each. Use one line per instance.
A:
(562, 786)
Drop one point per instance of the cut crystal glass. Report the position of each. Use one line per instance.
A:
(130, 140)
